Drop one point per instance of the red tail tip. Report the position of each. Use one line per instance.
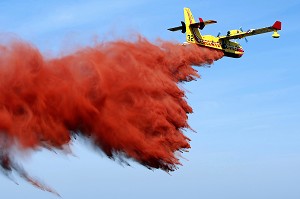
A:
(277, 25)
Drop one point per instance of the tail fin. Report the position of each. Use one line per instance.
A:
(192, 33)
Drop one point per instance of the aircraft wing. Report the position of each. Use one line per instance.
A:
(276, 26)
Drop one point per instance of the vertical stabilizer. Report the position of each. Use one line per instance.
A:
(192, 34)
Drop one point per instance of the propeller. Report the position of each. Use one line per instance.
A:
(241, 29)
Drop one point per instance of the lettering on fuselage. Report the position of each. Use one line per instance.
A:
(210, 43)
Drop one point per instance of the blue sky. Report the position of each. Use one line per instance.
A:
(246, 111)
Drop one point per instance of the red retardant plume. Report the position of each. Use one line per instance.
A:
(122, 96)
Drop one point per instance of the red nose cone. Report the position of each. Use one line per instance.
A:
(241, 52)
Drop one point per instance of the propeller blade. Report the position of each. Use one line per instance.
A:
(241, 29)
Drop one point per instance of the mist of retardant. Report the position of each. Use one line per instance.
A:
(122, 96)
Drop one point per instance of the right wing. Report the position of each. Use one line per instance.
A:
(276, 26)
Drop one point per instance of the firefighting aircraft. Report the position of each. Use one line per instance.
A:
(223, 43)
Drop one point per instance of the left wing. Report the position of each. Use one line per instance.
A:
(276, 26)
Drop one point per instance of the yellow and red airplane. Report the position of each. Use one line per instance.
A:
(223, 43)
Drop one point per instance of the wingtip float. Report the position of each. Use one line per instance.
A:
(223, 43)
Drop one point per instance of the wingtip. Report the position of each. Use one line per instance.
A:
(277, 25)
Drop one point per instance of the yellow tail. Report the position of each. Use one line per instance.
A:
(192, 34)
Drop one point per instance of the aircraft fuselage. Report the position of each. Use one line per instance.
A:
(230, 48)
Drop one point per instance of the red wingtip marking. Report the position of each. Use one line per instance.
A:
(277, 25)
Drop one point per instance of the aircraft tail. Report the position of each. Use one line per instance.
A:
(192, 33)
(191, 28)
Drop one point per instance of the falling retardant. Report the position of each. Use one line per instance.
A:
(122, 96)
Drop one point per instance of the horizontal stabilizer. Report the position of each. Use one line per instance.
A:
(202, 23)
(182, 28)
